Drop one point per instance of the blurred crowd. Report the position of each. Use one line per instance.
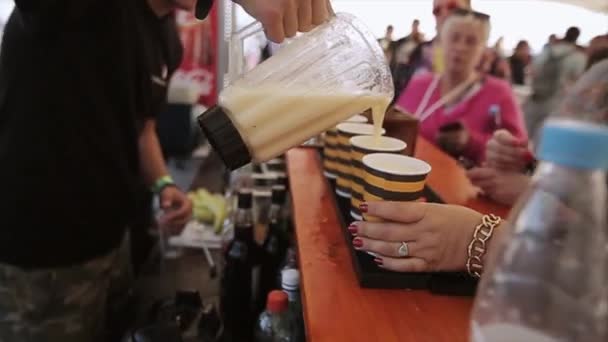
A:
(485, 107)
(414, 53)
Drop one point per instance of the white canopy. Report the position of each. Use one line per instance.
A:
(593, 5)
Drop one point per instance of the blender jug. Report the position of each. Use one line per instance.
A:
(312, 83)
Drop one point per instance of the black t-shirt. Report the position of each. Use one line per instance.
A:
(77, 79)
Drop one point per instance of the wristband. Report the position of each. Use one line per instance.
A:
(162, 183)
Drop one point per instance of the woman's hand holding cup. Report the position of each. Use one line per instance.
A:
(436, 235)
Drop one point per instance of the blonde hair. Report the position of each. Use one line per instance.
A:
(468, 18)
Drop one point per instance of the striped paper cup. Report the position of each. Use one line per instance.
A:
(360, 147)
(393, 177)
(345, 132)
(330, 145)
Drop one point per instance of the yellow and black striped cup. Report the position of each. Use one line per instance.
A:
(360, 147)
(393, 177)
(346, 131)
(330, 147)
(330, 153)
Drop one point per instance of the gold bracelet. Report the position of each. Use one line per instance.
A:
(477, 248)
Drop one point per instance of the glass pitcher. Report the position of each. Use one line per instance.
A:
(312, 83)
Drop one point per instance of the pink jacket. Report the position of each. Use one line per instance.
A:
(473, 112)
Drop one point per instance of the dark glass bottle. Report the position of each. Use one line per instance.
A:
(241, 263)
(275, 245)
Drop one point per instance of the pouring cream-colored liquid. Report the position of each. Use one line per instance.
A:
(378, 112)
(272, 119)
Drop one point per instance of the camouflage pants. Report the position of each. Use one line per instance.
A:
(64, 304)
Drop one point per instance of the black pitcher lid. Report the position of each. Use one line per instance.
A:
(224, 137)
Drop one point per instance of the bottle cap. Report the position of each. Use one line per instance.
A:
(224, 137)
(245, 199)
(277, 301)
(575, 144)
(278, 194)
(290, 279)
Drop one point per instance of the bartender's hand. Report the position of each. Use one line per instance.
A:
(177, 209)
(284, 18)
(502, 186)
(506, 152)
(437, 235)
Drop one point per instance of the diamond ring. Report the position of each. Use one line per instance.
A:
(404, 250)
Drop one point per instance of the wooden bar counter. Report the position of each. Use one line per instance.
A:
(335, 307)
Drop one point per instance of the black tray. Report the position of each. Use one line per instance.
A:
(371, 276)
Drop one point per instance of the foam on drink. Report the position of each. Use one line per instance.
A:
(396, 164)
(272, 119)
(382, 144)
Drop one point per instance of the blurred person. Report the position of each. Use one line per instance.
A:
(498, 47)
(597, 51)
(415, 34)
(387, 40)
(432, 56)
(519, 62)
(79, 95)
(403, 47)
(494, 65)
(427, 56)
(507, 153)
(503, 187)
(588, 98)
(460, 109)
(552, 39)
(503, 177)
(553, 71)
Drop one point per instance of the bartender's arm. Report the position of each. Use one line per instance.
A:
(284, 18)
(176, 205)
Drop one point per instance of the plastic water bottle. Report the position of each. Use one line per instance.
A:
(274, 324)
(291, 285)
(546, 280)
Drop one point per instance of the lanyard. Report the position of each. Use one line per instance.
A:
(424, 110)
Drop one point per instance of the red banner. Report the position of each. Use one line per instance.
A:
(199, 65)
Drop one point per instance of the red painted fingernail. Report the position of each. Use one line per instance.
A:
(528, 157)
(353, 229)
(379, 261)
(358, 243)
(363, 207)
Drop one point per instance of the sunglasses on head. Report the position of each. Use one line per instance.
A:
(464, 12)
(449, 7)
